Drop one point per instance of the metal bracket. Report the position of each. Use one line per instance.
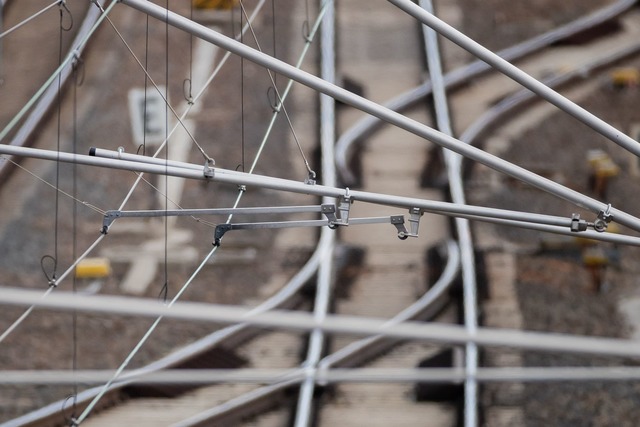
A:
(108, 219)
(329, 210)
(578, 224)
(112, 215)
(414, 221)
(209, 170)
(398, 222)
(604, 218)
(344, 207)
(219, 232)
(311, 178)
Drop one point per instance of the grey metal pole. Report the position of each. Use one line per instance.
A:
(456, 188)
(324, 282)
(597, 124)
(385, 114)
(240, 178)
(335, 324)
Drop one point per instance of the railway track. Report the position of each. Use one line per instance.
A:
(400, 263)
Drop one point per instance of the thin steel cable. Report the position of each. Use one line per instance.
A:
(312, 174)
(29, 104)
(144, 339)
(164, 96)
(62, 7)
(241, 101)
(29, 19)
(74, 248)
(164, 291)
(211, 78)
(59, 190)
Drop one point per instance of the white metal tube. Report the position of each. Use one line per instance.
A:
(324, 282)
(508, 69)
(385, 114)
(327, 376)
(240, 178)
(456, 188)
(336, 324)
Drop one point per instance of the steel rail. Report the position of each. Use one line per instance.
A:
(373, 108)
(368, 124)
(424, 308)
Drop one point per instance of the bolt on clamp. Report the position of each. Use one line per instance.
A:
(603, 219)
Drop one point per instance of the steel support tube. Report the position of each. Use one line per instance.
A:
(456, 189)
(202, 377)
(510, 70)
(241, 178)
(377, 110)
(324, 283)
(336, 324)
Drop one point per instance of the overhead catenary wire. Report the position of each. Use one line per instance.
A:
(240, 178)
(390, 116)
(29, 19)
(311, 173)
(77, 50)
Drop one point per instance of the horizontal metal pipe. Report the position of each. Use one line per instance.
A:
(324, 376)
(240, 178)
(336, 324)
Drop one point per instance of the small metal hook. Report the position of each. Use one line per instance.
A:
(306, 34)
(77, 66)
(272, 97)
(187, 91)
(64, 10)
(51, 278)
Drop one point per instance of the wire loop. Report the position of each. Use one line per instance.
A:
(51, 278)
(64, 10)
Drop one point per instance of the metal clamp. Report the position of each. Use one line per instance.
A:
(109, 217)
(329, 210)
(209, 169)
(398, 222)
(344, 207)
(219, 232)
(604, 218)
(414, 221)
(578, 224)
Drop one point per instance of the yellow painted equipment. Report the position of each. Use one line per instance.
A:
(602, 164)
(625, 77)
(93, 268)
(215, 4)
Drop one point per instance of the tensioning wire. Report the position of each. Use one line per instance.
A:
(307, 44)
(311, 173)
(143, 340)
(29, 19)
(27, 106)
(163, 95)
